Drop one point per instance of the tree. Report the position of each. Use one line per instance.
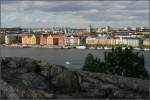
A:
(119, 62)
(89, 60)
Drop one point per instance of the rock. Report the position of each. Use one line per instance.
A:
(49, 96)
(34, 80)
(12, 64)
(7, 91)
(55, 70)
(28, 82)
(66, 82)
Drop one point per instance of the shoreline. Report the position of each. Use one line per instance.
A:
(78, 48)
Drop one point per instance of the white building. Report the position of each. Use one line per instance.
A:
(130, 41)
(10, 39)
(72, 41)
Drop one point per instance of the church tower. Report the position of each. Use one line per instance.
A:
(89, 28)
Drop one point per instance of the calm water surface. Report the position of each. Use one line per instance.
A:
(60, 56)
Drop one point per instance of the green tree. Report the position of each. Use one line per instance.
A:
(119, 62)
(88, 62)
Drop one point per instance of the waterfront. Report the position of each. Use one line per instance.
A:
(57, 56)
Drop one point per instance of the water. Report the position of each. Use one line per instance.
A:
(75, 57)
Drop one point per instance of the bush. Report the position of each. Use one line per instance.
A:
(118, 62)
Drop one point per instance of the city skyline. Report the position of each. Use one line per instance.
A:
(75, 14)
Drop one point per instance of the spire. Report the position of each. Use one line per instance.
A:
(89, 28)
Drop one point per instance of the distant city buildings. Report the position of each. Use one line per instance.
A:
(70, 37)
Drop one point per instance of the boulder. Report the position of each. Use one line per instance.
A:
(11, 64)
(66, 82)
(34, 80)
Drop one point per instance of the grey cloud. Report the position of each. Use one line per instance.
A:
(106, 10)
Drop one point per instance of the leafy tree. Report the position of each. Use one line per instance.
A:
(118, 62)
(88, 61)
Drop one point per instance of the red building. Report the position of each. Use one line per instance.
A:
(57, 40)
(61, 41)
(43, 39)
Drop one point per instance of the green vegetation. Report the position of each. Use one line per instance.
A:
(83, 41)
(118, 62)
(143, 46)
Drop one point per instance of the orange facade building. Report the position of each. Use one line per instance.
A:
(43, 39)
(30, 39)
(56, 40)
(49, 40)
(61, 41)
(25, 40)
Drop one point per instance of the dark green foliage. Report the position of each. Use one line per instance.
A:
(88, 61)
(83, 41)
(118, 62)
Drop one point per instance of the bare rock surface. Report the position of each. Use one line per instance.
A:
(29, 78)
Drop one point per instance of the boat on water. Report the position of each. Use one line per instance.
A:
(137, 48)
(99, 48)
(123, 48)
(146, 49)
(107, 48)
(81, 47)
(67, 62)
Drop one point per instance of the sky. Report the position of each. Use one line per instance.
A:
(75, 14)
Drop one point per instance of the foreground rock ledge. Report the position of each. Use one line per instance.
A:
(25, 78)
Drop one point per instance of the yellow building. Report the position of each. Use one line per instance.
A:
(32, 39)
(91, 41)
(100, 41)
(106, 41)
(146, 42)
(50, 40)
(142, 33)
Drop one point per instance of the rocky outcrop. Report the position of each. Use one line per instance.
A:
(32, 79)
(7, 92)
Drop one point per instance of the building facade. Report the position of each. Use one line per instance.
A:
(72, 41)
(11, 39)
(25, 40)
(56, 40)
(130, 41)
(30, 39)
(100, 41)
(91, 41)
(146, 42)
(43, 39)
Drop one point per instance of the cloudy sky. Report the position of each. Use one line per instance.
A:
(74, 13)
